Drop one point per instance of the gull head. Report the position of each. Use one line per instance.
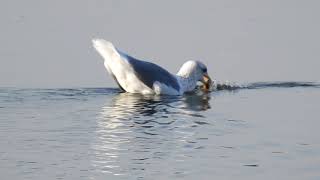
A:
(196, 71)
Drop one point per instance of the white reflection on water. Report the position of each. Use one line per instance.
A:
(135, 131)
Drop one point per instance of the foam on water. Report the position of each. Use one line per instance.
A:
(226, 85)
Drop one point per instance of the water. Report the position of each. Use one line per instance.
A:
(253, 131)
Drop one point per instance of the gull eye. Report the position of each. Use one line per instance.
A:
(204, 70)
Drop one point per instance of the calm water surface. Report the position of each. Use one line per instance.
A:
(263, 131)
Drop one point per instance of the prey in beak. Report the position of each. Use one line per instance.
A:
(206, 83)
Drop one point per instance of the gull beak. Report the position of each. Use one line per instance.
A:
(207, 82)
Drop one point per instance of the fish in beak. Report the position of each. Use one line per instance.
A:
(207, 83)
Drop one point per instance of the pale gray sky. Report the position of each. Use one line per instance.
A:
(48, 43)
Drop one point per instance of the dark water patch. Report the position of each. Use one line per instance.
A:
(149, 133)
(140, 159)
(147, 126)
(192, 114)
(251, 165)
(277, 152)
(236, 120)
(303, 144)
(153, 121)
(233, 120)
(201, 122)
(203, 138)
(31, 162)
(228, 147)
(200, 147)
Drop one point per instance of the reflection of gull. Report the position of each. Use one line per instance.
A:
(136, 76)
(126, 106)
(135, 128)
(197, 102)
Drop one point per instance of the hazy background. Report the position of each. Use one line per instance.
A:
(48, 43)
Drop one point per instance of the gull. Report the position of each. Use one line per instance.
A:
(136, 76)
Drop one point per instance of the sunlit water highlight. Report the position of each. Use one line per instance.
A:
(252, 131)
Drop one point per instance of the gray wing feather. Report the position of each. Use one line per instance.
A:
(149, 73)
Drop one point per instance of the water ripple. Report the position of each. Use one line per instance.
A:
(144, 125)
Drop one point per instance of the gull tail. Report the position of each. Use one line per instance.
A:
(105, 49)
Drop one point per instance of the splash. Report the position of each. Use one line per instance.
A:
(218, 86)
(259, 85)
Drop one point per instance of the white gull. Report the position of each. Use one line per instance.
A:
(136, 76)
